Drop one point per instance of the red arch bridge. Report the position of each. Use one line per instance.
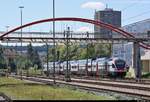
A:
(127, 36)
(98, 23)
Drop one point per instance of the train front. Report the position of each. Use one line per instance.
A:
(120, 67)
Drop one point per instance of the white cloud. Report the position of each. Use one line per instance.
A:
(84, 29)
(130, 1)
(93, 5)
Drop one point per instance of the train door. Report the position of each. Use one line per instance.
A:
(106, 69)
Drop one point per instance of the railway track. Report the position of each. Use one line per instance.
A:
(89, 78)
(139, 90)
(126, 80)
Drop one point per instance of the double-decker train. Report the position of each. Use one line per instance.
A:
(115, 67)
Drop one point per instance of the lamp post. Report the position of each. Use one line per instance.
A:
(21, 7)
(54, 56)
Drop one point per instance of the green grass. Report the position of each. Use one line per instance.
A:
(21, 90)
(146, 75)
(131, 74)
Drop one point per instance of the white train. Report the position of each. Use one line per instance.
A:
(100, 66)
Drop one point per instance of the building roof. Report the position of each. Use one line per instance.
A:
(138, 27)
(142, 21)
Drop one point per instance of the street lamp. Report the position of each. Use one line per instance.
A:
(21, 7)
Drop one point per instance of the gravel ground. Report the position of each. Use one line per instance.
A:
(117, 96)
(1, 98)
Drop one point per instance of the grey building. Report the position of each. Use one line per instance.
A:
(139, 29)
(107, 16)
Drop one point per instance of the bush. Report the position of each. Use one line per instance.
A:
(146, 75)
(130, 73)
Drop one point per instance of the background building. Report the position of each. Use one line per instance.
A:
(139, 29)
(107, 16)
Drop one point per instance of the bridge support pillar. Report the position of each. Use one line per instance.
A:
(137, 60)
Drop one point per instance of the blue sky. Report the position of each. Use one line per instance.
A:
(41, 9)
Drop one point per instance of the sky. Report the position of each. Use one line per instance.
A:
(132, 11)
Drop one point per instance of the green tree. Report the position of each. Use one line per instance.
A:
(3, 63)
(30, 54)
(36, 60)
(20, 63)
(102, 50)
(12, 65)
(77, 51)
(33, 57)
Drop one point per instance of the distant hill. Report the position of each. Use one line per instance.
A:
(24, 48)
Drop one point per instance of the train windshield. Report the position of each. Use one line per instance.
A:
(120, 63)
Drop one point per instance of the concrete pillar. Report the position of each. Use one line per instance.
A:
(137, 60)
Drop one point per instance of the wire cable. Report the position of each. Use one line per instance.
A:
(129, 6)
(141, 14)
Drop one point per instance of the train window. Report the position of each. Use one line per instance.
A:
(89, 66)
(73, 67)
(120, 64)
(113, 66)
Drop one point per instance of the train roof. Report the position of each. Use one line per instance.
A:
(101, 59)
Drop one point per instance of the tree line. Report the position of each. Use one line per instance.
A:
(16, 61)
(10, 59)
(80, 51)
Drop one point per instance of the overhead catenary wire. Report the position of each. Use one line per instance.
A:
(131, 5)
(141, 14)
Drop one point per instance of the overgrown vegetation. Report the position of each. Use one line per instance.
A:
(130, 73)
(80, 51)
(14, 61)
(146, 75)
(20, 90)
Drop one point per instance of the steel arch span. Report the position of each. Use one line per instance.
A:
(98, 23)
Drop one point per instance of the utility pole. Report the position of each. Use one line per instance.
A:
(54, 56)
(137, 60)
(68, 79)
(87, 54)
(47, 61)
(21, 7)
